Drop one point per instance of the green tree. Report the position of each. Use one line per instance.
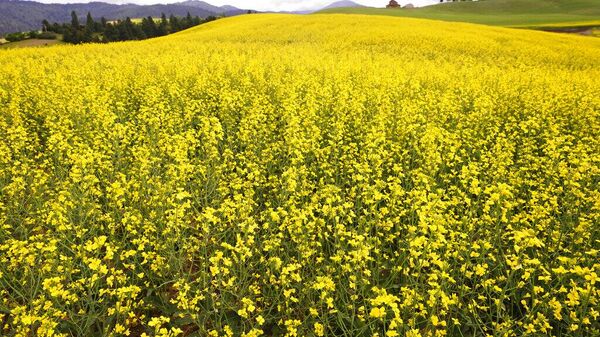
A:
(110, 33)
(188, 21)
(197, 20)
(73, 35)
(90, 28)
(74, 21)
(149, 27)
(163, 26)
(174, 25)
(125, 31)
(45, 25)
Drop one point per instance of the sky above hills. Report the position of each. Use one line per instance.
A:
(262, 5)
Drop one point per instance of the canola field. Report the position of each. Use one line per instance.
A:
(323, 175)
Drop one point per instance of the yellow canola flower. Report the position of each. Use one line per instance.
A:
(319, 329)
(378, 312)
(303, 175)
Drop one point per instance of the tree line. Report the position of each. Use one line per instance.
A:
(120, 30)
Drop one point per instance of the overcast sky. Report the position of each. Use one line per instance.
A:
(263, 5)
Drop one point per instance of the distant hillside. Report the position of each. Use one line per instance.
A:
(208, 7)
(342, 4)
(496, 12)
(334, 5)
(17, 15)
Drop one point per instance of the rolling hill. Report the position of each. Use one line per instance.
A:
(17, 15)
(496, 12)
(317, 175)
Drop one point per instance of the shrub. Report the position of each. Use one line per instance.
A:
(47, 36)
(13, 37)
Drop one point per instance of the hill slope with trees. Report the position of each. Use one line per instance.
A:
(17, 15)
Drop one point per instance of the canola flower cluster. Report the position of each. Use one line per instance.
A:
(323, 175)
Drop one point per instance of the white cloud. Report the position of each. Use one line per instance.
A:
(262, 5)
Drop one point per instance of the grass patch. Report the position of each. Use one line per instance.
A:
(497, 12)
(30, 43)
